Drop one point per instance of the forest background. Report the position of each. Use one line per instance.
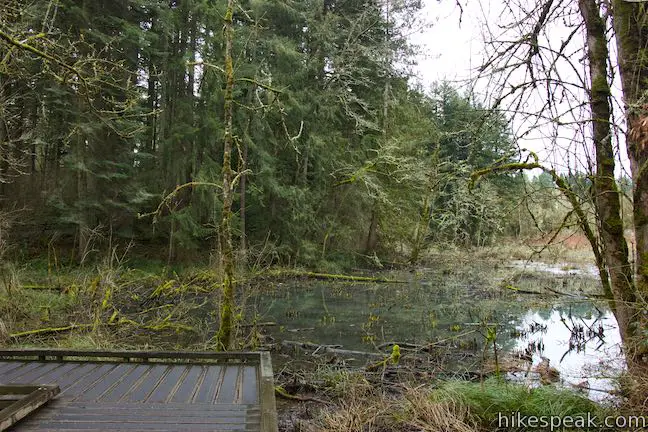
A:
(339, 160)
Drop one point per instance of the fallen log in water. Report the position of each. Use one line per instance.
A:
(331, 277)
(332, 349)
(519, 290)
(260, 324)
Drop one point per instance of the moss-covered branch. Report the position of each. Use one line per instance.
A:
(167, 199)
(48, 331)
(45, 56)
(329, 277)
(281, 392)
(571, 196)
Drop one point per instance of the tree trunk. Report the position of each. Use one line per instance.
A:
(631, 28)
(171, 246)
(81, 197)
(372, 235)
(4, 164)
(224, 336)
(607, 199)
(153, 103)
(242, 203)
(630, 22)
(242, 168)
(421, 230)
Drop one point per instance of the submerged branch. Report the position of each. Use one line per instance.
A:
(332, 349)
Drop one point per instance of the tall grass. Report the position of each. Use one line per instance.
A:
(457, 406)
(486, 401)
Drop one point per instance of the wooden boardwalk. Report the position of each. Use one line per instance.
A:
(145, 391)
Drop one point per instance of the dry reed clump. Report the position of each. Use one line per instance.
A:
(426, 415)
(4, 333)
(635, 387)
(355, 415)
(414, 410)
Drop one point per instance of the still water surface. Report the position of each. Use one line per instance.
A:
(578, 336)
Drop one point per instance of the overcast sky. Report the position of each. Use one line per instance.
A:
(449, 48)
(452, 50)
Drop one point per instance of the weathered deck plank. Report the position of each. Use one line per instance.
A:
(22, 401)
(118, 391)
(228, 389)
(15, 374)
(36, 374)
(190, 392)
(187, 388)
(208, 385)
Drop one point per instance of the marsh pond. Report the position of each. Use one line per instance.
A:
(535, 312)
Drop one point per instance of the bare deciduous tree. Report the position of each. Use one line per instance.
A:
(549, 65)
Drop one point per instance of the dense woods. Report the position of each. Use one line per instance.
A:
(240, 135)
(109, 107)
